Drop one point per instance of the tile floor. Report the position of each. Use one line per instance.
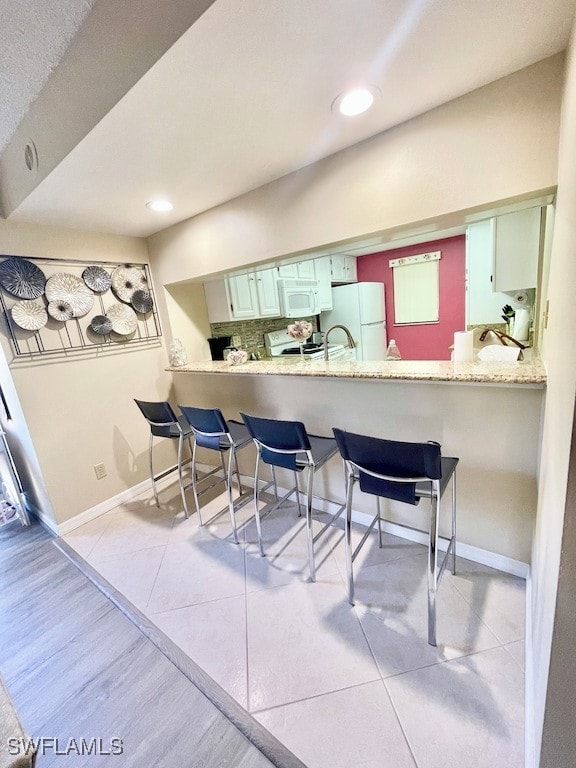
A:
(339, 685)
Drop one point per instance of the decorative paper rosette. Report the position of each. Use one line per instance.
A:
(300, 330)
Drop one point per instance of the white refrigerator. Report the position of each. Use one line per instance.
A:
(361, 308)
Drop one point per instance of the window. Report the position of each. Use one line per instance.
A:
(416, 289)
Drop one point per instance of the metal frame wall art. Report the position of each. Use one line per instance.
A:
(52, 306)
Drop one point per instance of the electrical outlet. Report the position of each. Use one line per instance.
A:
(100, 470)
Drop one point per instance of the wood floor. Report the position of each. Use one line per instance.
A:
(77, 667)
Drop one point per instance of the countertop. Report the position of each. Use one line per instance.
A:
(530, 372)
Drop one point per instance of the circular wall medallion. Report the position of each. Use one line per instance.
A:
(123, 318)
(30, 315)
(60, 310)
(101, 325)
(69, 288)
(21, 278)
(97, 278)
(127, 280)
(142, 302)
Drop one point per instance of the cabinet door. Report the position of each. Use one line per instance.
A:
(267, 289)
(324, 277)
(351, 271)
(338, 263)
(483, 304)
(243, 296)
(516, 250)
(288, 270)
(306, 270)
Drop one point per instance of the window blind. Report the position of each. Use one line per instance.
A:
(416, 289)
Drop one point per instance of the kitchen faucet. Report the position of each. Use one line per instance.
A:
(351, 342)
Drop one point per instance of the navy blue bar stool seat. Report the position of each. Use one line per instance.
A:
(211, 430)
(404, 472)
(288, 445)
(163, 422)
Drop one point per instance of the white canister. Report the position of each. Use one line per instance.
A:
(463, 347)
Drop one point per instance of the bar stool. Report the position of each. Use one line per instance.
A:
(404, 472)
(286, 444)
(210, 430)
(164, 423)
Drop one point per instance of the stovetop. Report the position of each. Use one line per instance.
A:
(279, 343)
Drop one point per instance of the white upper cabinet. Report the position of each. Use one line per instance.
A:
(323, 271)
(343, 268)
(302, 270)
(267, 290)
(516, 250)
(483, 304)
(243, 297)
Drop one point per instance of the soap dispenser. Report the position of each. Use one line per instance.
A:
(393, 353)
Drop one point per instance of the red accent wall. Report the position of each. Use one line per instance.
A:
(427, 341)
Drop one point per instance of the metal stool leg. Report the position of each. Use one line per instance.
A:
(256, 510)
(195, 485)
(237, 472)
(348, 536)
(379, 522)
(432, 563)
(454, 523)
(297, 493)
(228, 481)
(273, 468)
(180, 480)
(309, 529)
(151, 464)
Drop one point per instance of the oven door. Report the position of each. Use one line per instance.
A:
(298, 300)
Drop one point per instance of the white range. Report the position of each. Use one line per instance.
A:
(280, 343)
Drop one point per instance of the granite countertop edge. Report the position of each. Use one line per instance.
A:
(531, 372)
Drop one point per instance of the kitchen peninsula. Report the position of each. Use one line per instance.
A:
(488, 414)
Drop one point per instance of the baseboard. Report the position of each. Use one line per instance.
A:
(467, 551)
(109, 504)
(530, 760)
(48, 523)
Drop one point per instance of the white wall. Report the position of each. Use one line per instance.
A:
(497, 142)
(560, 357)
(79, 410)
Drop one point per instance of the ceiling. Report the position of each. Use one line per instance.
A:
(244, 95)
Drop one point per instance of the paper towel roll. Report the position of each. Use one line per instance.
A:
(521, 324)
(463, 346)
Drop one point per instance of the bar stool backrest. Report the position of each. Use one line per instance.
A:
(280, 441)
(160, 416)
(378, 460)
(209, 425)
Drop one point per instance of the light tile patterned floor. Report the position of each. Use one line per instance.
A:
(339, 685)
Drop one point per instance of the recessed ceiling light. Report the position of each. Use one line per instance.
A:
(355, 102)
(161, 206)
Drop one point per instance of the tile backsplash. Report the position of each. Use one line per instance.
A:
(250, 333)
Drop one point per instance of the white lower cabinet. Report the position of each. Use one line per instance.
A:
(245, 296)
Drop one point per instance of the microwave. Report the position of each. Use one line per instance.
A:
(298, 298)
